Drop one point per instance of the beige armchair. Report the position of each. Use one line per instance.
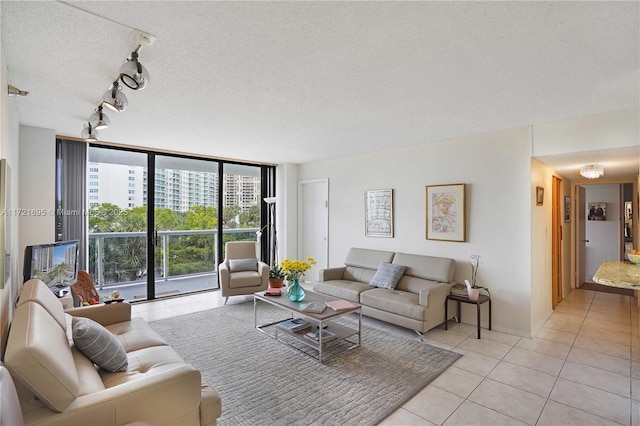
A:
(242, 272)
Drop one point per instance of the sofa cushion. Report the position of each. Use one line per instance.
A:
(387, 275)
(98, 344)
(398, 302)
(245, 279)
(362, 275)
(342, 289)
(366, 258)
(143, 362)
(39, 356)
(239, 265)
(136, 334)
(37, 291)
(432, 268)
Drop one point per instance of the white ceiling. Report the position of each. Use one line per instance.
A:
(307, 81)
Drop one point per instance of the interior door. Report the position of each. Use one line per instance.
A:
(556, 243)
(313, 235)
(581, 224)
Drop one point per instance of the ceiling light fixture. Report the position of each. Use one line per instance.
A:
(592, 171)
(115, 99)
(133, 74)
(89, 133)
(99, 119)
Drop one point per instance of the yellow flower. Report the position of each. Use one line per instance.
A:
(295, 268)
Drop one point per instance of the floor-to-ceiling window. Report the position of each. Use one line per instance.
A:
(157, 223)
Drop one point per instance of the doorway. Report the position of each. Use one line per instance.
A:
(601, 231)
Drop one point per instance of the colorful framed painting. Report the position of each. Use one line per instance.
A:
(378, 212)
(445, 212)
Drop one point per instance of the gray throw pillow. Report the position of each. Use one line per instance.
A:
(98, 344)
(239, 265)
(387, 275)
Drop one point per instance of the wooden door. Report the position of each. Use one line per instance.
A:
(557, 214)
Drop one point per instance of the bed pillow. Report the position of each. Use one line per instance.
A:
(239, 265)
(98, 344)
(387, 275)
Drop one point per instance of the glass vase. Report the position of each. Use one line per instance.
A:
(295, 292)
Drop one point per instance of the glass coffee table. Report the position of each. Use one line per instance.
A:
(345, 335)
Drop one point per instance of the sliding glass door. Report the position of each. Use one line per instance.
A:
(158, 223)
(186, 225)
(117, 237)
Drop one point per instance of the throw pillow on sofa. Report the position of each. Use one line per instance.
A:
(387, 275)
(98, 344)
(239, 265)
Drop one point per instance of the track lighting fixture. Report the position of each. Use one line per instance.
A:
(133, 74)
(14, 91)
(99, 119)
(89, 133)
(114, 98)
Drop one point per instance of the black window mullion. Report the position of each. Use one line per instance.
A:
(151, 226)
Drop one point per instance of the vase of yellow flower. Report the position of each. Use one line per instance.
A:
(293, 270)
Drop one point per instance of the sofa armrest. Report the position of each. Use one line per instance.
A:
(105, 314)
(435, 294)
(223, 274)
(329, 274)
(171, 396)
(263, 269)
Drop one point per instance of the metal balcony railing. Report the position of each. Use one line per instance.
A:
(119, 258)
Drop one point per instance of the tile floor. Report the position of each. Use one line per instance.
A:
(582, 368)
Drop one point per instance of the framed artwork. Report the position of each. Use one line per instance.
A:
(378, 213)
(597, 210)
(567, 209)
(445, 212)
(539, 195)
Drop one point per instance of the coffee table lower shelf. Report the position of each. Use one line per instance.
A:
(347, 337)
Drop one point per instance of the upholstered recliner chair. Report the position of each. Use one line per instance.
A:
(242, 272)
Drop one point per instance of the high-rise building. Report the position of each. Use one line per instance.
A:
(177, 190)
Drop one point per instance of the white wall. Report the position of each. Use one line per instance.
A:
(541, 242)
(9, 131)
(604, 236)
(495, 167)
(603, 131)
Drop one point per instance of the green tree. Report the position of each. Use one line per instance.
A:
(200, 217)
(229, 216)
(250, 218)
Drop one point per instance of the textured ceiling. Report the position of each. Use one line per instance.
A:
(306, 81)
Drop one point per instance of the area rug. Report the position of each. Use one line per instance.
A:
(263, 382)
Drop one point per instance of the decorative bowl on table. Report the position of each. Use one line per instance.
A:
(634, 258)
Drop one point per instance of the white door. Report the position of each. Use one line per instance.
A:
(313, 228)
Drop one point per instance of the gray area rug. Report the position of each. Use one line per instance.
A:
(263, 382)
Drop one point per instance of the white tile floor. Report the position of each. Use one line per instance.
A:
(582, 368)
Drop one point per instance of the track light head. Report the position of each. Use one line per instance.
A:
(14, 91)
(99, 120)
(133, 74)
(114, 98)
(89, 133)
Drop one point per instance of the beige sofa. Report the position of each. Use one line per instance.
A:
(57, 385)
(417, 302)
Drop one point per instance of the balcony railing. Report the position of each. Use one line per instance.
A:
(119, 258)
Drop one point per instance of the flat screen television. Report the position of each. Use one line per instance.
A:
(56, 264)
